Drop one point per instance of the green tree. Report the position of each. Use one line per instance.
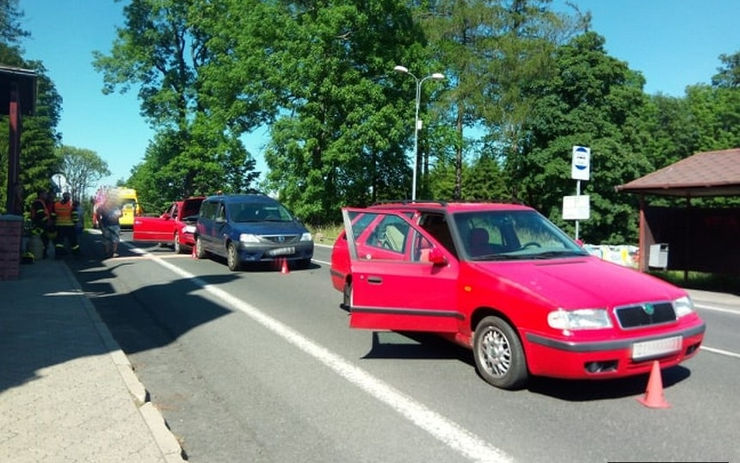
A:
(11, 30)
(162, 49)
(322, 75)
(672, 128)
(715, 113)
(729, 74)
(38, 137)
(705, 119)
(492, 51)
(82, 168)
(597, 101)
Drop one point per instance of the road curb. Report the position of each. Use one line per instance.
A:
(163, 436)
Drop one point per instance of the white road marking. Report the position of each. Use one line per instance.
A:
(448, 432)
(721, 351)
(717, 309)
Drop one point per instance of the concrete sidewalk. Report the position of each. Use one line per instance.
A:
(67, 391)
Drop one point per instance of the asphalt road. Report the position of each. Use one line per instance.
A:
(261, 366)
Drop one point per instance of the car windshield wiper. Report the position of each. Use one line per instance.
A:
(560, 253)
(516, 256)
(501, 256)
(491, 257)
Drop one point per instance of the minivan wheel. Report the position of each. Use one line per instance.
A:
(498, 354)
(176, 243)
(232, 257)
(200, 253)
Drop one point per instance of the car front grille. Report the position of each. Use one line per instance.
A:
(281, 239)
(645, 314)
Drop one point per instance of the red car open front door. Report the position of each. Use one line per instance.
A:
(159, 229)
(402, 279)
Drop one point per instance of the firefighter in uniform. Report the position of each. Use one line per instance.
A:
(40, 224)
(65, 225)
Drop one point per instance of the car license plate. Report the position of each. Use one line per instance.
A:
(281, 251)
(657, 347)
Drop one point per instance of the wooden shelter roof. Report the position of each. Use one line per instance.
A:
(713, 173)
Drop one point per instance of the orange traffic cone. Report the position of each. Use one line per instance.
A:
(284, 270)
(654, 397)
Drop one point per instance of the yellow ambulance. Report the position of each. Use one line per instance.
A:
(130, 207)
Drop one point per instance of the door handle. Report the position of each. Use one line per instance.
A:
(374, 280)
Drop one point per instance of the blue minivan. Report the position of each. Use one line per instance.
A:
(251, 228)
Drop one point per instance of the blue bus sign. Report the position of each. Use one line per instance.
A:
(581, 165)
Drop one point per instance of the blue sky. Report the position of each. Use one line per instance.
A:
(673, 43)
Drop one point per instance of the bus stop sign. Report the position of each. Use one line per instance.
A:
(581, 165)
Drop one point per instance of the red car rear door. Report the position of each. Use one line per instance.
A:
(396, 285)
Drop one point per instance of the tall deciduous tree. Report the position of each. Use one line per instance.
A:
(11, 30)
(594, 100)
(162, 49)
(82, 168)
(729, 74)
(322, 76)
(492, 50)
(715, 109)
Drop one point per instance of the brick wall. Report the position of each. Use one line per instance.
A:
(11, 231)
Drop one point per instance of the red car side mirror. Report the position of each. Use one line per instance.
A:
(437, 257)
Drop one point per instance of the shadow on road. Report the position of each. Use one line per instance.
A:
(415, 345)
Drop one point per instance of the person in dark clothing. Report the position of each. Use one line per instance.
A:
(108, 214)
(41, 220)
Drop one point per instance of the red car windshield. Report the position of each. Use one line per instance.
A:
(511, 235)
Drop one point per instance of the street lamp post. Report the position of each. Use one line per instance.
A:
(417, 122)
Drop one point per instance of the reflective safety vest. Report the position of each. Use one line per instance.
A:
(64, 213)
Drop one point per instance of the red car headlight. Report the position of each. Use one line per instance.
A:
(579, 319)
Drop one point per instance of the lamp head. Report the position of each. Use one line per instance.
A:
(438, 76)
(401, 69)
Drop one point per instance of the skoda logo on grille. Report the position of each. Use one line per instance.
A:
(649, 309)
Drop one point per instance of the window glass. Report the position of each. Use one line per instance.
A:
(389, 233)
(208, 210)
(504, 235)
(436, 225)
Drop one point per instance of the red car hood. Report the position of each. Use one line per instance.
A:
(581, 282)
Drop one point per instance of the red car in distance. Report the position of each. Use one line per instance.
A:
(176, 225)
(504, 281)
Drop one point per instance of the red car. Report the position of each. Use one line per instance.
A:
(176, 225)
(505, 282)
